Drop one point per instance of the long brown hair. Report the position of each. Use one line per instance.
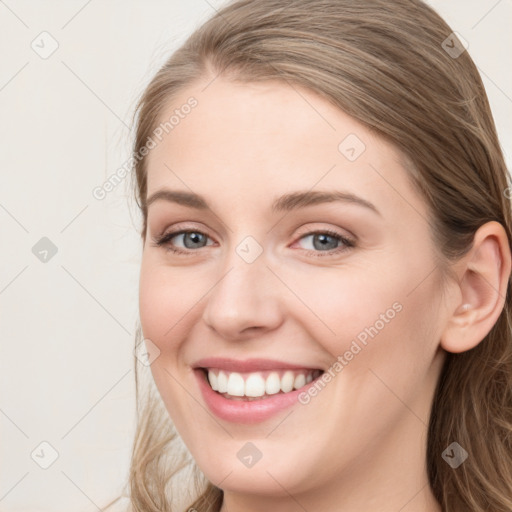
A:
(395, 66)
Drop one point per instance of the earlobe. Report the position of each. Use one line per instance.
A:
(483, 280)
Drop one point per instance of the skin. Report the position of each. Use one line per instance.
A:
(360, 443)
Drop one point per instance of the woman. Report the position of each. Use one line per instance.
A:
(325, 279)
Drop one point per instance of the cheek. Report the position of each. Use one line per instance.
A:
(377, 318)
(166, 299)
(389, 342)
(339, 303)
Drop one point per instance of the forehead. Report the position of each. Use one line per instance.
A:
(254, 140)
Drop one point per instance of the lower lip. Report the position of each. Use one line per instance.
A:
(241, 411)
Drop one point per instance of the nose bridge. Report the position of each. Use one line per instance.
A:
(244, 296)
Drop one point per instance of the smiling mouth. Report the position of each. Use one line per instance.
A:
(258, 385)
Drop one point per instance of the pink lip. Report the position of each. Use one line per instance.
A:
(246, 412)
(248, 365)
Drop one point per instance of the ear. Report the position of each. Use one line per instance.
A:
(484, 274)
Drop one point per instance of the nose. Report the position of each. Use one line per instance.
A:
(244, 301)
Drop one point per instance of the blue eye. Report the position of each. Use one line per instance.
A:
(323, 242)
(190, 240)
(327, 243)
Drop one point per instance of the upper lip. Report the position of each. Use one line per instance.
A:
(248, 365)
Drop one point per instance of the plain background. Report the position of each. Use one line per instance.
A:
(67, 324)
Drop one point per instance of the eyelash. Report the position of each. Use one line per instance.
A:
(349, 243)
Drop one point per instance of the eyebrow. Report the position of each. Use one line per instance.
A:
(285, 203)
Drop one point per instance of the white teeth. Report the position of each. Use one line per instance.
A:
(236, 385)
(273, 384)
(255, 385)
(299, 381)
(287, 382)
(222, 382)
(213, 380)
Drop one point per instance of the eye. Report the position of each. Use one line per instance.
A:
(319, 243)
(326, 242)
(191, 239)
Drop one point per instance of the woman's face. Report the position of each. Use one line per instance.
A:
(307, 251)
